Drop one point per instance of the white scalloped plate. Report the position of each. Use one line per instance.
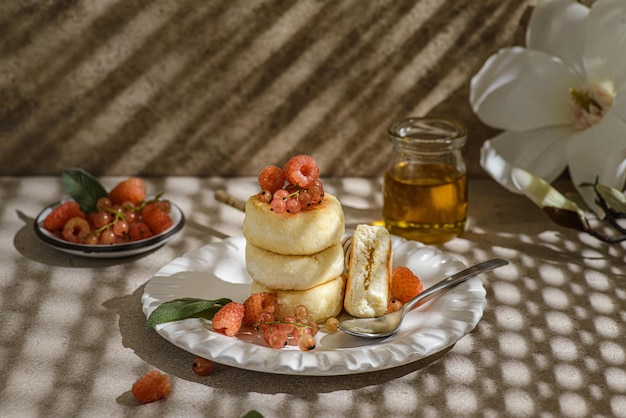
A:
(218, 270)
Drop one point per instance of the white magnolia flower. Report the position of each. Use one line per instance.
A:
(561, 101)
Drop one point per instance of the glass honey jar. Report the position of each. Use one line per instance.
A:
(425, 182)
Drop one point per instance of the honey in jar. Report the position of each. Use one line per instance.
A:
(425, 183)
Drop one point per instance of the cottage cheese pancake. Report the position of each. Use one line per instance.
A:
(369, 272)
(293, 272)
(305, 233)
(323, 301)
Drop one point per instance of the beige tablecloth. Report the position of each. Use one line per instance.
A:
(551, 341)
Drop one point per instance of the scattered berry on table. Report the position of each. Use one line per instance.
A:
(132, 190)
(151, 387)
(202, 366)
(404, 284)
(228, 319)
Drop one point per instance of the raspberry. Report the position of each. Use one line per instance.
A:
(138, 231)
(151, 387)
(132, 190)
(255, 305)
(301, 170)
(271, 178)
(57, 219)
(156, 218)
(404, 284)
(75, 230)
(228, 318)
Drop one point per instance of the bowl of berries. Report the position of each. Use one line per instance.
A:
(122, 222)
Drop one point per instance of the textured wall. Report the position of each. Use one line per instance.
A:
(197, 87)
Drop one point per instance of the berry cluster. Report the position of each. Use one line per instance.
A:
(294, 187)
(259, 312)
(123, 216)
(278, 331)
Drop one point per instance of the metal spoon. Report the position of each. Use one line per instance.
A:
(388, 324)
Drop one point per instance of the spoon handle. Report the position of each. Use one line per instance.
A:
(455, 279)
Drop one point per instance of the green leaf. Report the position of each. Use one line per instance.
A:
(178, 309)
(83, 188)
(253, 414)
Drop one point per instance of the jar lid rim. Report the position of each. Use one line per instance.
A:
(440, 131)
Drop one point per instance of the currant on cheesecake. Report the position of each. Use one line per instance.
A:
(293, 188)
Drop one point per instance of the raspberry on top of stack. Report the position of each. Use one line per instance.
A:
(293, 232)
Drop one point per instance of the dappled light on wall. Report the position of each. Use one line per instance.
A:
(221, 88)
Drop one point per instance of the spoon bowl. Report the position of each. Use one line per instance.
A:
(388, 324)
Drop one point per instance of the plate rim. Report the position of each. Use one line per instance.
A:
(103, 250)
(174, 331)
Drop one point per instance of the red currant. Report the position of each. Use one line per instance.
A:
(202, 366)
(107, 237)
(293, 205)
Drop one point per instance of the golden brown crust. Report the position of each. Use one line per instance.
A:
(323, 301)
(307, 232)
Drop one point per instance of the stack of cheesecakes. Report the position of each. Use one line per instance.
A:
(297, 257)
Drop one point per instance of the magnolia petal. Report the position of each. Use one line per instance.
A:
(619, 102)
(556, 27)
(541, 192)
(604, 57)
(613, 197)
(520, 90)
(561, 210)
(541, 152)
(598, 152)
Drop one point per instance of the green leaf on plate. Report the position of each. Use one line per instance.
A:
(178, 309)
(83, 188)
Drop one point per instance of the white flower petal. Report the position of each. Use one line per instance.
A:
(541, 152)
(520, 90)
(556, 27)
(619, 103)
(540, 191)
(613, 197)
(604, 57)
(598, 152)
